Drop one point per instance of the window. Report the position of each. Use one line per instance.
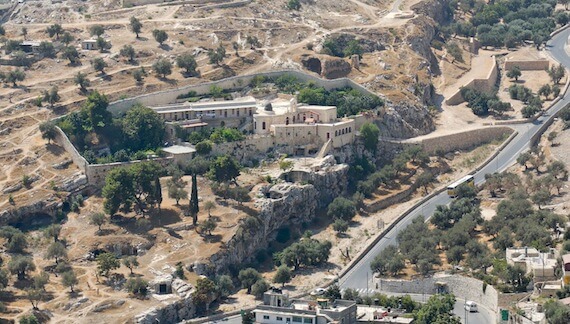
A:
(279, 318)
(308, 320)
(263, 125)
(328, 135)
(287, 121)
(265, 317)
(297, 319)
(225, 113)
(288, 320)
(238, 113)
(250, 111)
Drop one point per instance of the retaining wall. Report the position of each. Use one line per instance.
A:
(534, 65)
(169, 96)
(96, 173)
(64, 141)
(130, 3)
(464, 140)
(462, 287)
(486, 85)
(246, 149)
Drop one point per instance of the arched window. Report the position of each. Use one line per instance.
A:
(287, 121)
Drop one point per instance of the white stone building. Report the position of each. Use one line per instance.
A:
(540, 264)
(287, 121)
(278, 309)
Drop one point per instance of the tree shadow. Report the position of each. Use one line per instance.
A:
(75, 64)
(7, 296)
(167, 216)
(191, 74)
(55, 149)
(165, 47)
(105, 76)
(59, 110)
(76, 293)
(105, 231)
(172, 82)
(214, 238)
(173, 233)
(22, 284)
(246, 209)
(142, 38)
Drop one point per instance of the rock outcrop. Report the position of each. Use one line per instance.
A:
(404, 120)
(280, 205)
(333, 68)
(48, 207)
(174, 312)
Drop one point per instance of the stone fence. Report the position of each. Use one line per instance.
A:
(464, 140)
(64, 141)
(486, 85)
(169, 96)
(534, 65)
(462, 287)
(96, 173)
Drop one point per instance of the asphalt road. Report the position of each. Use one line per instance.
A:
(358, 276)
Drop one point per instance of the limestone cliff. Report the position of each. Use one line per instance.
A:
(404, 120)
(283, 204)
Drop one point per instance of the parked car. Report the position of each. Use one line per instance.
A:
(318, 291)
(470, 306)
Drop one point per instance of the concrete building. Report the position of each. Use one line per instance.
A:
(278, 309)
(298, 124)
(287, 121)
(208, 111)
(180, 153)
(89, 44)
(541, 265)
(30, 47)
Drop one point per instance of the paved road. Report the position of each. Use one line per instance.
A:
(360, 274)
(357, 277)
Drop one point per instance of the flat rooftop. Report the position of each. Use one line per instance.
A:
(368, 313)
(245, 102)
(179, 149)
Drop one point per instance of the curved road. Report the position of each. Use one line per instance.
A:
(358, 276)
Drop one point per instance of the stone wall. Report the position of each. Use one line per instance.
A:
(96, 173)
(169, 96)
(252, 148)
(464, 140)
(485, 85)
(64, 141)
(130, 3)
(462, 287)
(535, 65)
